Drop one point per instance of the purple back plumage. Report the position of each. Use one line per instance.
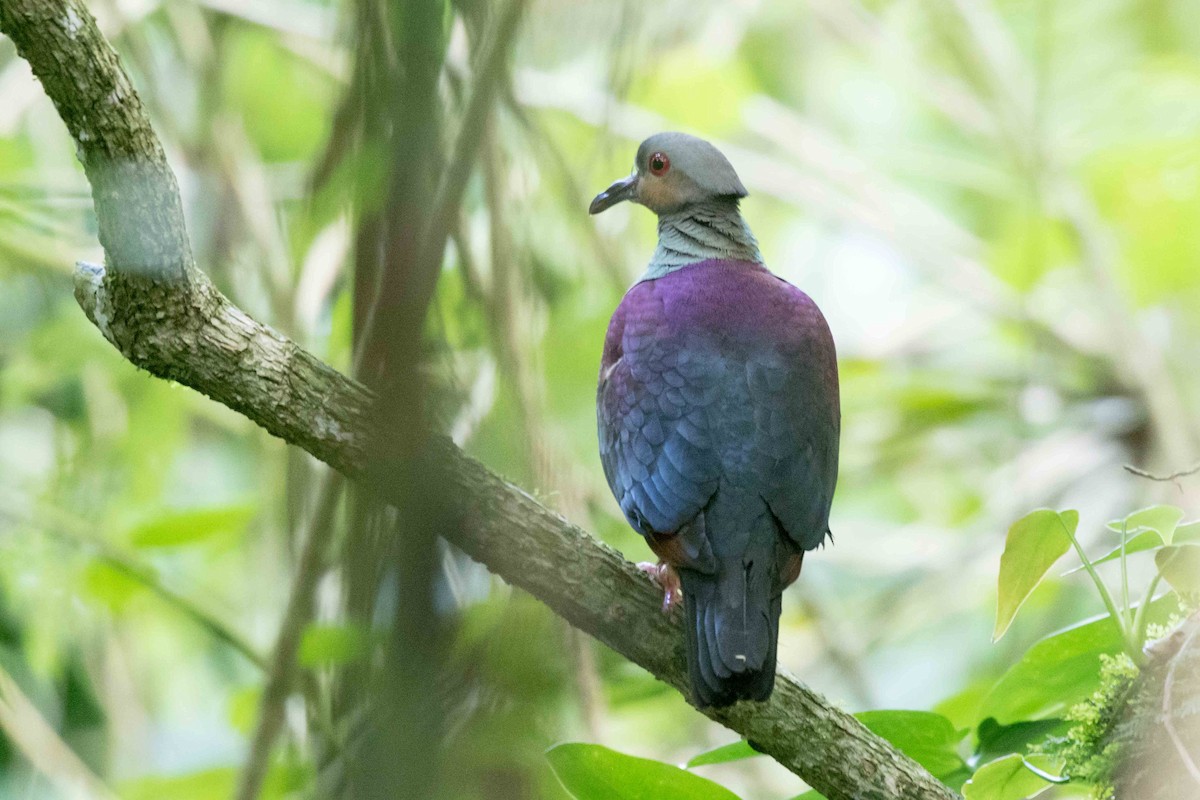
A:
(719, 420)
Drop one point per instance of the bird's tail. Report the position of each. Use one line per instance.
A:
(732, 622)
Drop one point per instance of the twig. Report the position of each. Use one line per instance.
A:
(1183, 473)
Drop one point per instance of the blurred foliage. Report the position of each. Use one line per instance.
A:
(994, 202)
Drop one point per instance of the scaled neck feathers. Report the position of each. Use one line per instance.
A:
(699, 232)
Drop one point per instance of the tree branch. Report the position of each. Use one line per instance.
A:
(166, 317)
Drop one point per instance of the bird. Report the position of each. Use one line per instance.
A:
(719, 417)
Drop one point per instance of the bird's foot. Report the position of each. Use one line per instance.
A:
(665, 576)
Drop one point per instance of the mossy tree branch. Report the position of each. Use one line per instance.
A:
(167, 318)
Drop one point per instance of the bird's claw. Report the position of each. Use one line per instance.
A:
(667, 578)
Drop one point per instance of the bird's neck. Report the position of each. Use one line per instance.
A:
(700, 232)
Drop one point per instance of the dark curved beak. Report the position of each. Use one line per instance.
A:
(623, 189)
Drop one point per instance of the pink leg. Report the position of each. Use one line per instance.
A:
(665, 576)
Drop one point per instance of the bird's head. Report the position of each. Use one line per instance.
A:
(674, 170)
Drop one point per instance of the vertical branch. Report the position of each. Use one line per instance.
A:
(391, 565)
(389, 560)
(282, 674)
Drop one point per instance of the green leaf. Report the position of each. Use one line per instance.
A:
(332, 644)
(927, 738)
(186, 527)
(1145, 540)
(1161, 519)
(961, 708)
(1061, 669)
(1034, 543)
(1152, 536)
(592, 772)
(724, 754)
(242, 709)
(1180, 566)
(996, 740)
(1187, 533)
(110, 585)
(1004, 779)
(207, 784)
(218, 783)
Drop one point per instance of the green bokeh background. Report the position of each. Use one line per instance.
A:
(995, 202)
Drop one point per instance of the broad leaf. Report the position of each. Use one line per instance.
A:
(1034, 543)
(592, 772)
(927, 738)
(1180, 565)
(1149, 539)
(112, 585)
(218, 783)
(332, 644)
(242, 709)
(724, 754)
(1004, 779)
(962, 707)
(1187, 533)
(1145, 540)
(186, 527)
(1161, 519)
(205, 784)
(1061, 669)
(996, 740)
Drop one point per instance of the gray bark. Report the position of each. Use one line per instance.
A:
(167, 318)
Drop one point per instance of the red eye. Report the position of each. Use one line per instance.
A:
(659, 164)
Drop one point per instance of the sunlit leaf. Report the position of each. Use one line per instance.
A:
(110, 585)
(592, 772)
(1149, 538)
(927, 738)
(176, 528)
(242, 708)
(332, 644)
(1146, 540)
(1161, 519)
(1004, 779)
(1034, 543)
(726, 753)
(282, 780)
(1180, 566)
(1187, 533)
(209, 784)
(1061, 669)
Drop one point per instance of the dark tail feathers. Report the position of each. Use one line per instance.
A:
(732, 624)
